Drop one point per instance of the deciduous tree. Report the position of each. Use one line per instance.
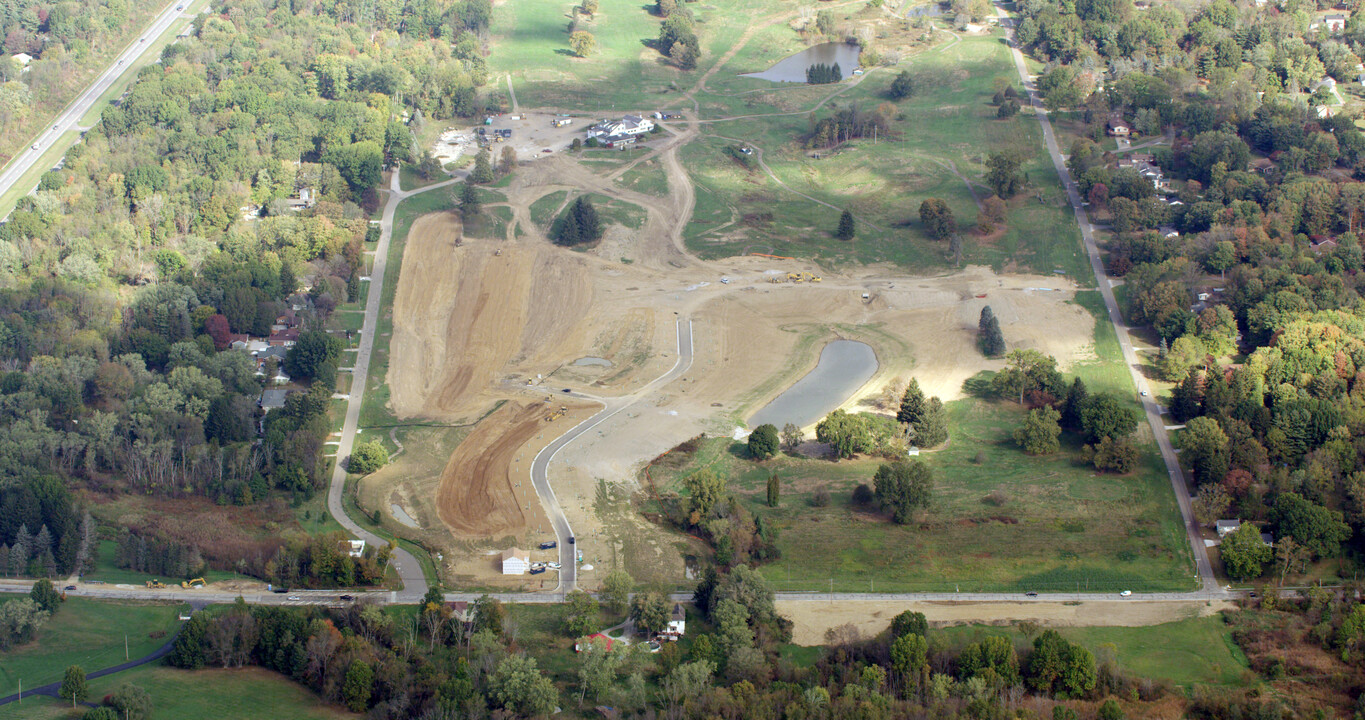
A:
(1038, 434)
(1244, 554)
(763, 442)
(903, 487)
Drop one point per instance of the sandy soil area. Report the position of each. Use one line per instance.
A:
(811, 619)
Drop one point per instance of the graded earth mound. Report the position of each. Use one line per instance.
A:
(477, 497)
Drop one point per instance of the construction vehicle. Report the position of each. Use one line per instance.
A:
(556, 414)
(156, 585)
(195, 583)
(795, 277)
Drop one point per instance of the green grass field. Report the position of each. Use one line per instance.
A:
(1007, 523)
(1194, 651)
(89, 633)
(948, 126)
(245, 694)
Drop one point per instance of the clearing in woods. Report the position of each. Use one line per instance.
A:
(486, 329)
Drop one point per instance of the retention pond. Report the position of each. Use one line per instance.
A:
(843, 368)
(793, 67)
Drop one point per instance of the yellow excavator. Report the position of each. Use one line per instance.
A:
(195, 583)
(156, 585)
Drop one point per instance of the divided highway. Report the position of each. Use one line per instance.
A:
(68, 119)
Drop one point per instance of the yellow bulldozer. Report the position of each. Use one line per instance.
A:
(195, 583)
(557, 414)
(156, 585)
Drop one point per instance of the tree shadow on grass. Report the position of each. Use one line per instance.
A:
(979, 385)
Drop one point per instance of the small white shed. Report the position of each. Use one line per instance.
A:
(515, 562)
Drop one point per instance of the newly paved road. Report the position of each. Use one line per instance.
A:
(568, 559)
(1163, 441)
(69, 117)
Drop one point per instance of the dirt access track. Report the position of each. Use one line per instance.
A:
(811, 620)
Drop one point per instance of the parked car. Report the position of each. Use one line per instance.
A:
(295, 597)
(347, 598)
(1125, 593)
(570, 539)
(537, 570)
(280, 591)
(1030, 594)
(552, 565)
(549, 545)
(70, 587)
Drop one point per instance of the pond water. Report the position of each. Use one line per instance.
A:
(586, 361)
(843, 368)
(402, 516)
(793, 67)
(931, 10)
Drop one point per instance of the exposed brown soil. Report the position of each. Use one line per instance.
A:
(477, 496)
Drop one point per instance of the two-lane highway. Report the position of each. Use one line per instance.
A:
(68, 119)
(568, 551)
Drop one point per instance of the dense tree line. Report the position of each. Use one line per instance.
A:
(822, 74)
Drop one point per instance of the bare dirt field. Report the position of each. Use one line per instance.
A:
(811, 619)
(481, 322)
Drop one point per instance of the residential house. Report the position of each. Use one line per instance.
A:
(305, 200)
(1117, 127)
(284, 338)
(23, 59)
(677, 623)
(353, 548)
(1226, 526)
(272, 399)
(515, 561)
(460, 611)
(1268, 539)
(1336, 22)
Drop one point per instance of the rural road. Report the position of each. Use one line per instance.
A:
(1149, 405)
(568, 559)
(68, 119)
(408, 568)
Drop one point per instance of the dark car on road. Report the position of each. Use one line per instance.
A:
(1030, 594)
(70, 587)
(345, 597)
(570, 539)
(549, 545)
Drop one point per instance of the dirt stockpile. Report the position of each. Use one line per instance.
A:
(477, 496)
(464, 316)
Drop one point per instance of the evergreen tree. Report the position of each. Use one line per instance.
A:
(589, 224)
(932, 428)
(912, 404)
(1185, 398)
(19, 551)
(568, 233)
(987, 315)
(846, 228)
(774, 491)
(483, 168)
(993, 341)
(1076, 396)
(470, 205)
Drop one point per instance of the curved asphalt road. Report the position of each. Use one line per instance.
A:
(1149, 406)
(69, 117)
(568, 574)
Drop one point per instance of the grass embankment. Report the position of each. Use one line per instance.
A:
(89, 633)
(1196, 651)
(243, 694)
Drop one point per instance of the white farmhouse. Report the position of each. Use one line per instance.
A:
(626, 126)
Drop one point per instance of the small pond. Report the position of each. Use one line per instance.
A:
(589, 361)
(843, 368)
(793, 67)
(402, 516)
(931, 10)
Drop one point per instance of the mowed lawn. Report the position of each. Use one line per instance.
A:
(940, 144)
(999, 521)
(89, 633)
(1195, 651)
(243, 694)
